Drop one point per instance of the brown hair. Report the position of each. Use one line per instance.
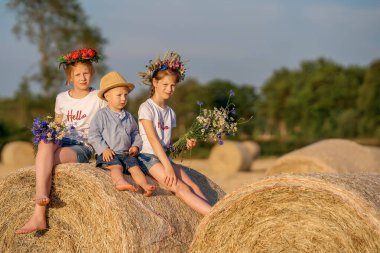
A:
(69, 69)
(161, 74)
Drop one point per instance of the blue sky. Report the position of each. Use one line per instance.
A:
(242, 41)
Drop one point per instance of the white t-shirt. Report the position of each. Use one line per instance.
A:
(163, 120)
(78, 112)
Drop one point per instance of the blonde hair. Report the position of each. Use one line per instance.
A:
(161, 74)
(70, 67)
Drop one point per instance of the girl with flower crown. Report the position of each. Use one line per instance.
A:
(75, 107)
(156, 120)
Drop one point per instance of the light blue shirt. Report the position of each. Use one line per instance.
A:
(117, 131)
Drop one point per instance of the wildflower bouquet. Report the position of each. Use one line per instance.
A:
(49, 131)
(209, 125)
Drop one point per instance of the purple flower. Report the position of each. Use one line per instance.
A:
(233, 111)
(220, 141)
(200, 103)
(232, 93)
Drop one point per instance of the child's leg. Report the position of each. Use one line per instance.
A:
(187, 180)
(181, 190)
(118, 178)
(140, 179)
(48, 155)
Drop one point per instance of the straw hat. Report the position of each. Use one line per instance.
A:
(112, 80)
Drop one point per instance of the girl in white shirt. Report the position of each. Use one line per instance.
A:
(156, 120)
(76, 107)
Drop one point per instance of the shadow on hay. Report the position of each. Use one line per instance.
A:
(200, 179)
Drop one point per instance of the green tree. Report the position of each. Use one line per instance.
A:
(368, 102)
(55, 27)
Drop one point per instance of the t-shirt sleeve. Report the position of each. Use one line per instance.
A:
(145, 112)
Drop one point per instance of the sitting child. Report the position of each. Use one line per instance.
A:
(115, 137)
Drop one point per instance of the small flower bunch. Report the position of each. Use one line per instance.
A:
(82, 55)
(209, 125)
(49, 131)
(172, 60)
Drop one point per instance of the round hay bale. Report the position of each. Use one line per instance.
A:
(17, 154)
(87, 214)
(375, 153)
(330, 156)
(296, 213)
(230, 158)
(253, 149)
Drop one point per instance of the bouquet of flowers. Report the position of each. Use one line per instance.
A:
(48, 130)
(209, 125)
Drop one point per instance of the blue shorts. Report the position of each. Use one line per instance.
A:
(124, 160)
(146, 161)
(84, 153)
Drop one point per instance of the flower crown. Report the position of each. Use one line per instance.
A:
(171, 60)
(82, 55)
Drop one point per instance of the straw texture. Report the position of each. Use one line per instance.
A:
(331, 155)
(296, 213)
(87, 214)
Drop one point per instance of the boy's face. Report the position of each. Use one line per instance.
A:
(117, 98)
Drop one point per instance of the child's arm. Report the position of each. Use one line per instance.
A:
(95, 137)
(134, 133)
(170, 177)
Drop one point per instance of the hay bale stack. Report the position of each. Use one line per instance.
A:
(230, 158)
(87, 214)
(295, 213)
(17, 154)
(330, 156)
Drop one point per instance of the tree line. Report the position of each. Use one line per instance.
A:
(320, 99)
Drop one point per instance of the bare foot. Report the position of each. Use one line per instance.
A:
(123, 185)
(34, 224)
(44, 201)
(148, 190)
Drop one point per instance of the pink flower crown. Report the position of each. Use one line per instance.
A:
(171, 60)
(82, 55)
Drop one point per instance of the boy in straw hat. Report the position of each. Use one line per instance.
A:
(115, 137)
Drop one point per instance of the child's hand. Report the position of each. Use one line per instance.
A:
(133, 151)
(170, 177)
(108, 155)
(191, 143)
